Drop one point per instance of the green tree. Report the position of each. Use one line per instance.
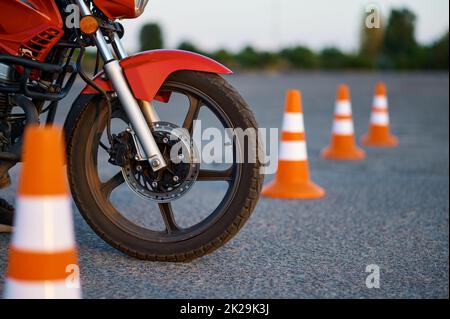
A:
(248, 57)
(333, 58)
(439, 53)
(189, 46)
(400, 46)
(151, 37)
(301, 57)
(253, 59)
(225, 57)
(371, 42)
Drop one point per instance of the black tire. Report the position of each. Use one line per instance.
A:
(246, 191)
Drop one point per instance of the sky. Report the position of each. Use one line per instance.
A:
(271, 24)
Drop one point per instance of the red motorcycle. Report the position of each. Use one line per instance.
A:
(114, 126)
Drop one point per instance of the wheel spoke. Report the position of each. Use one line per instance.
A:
(102, 145)
(114, 182)
(214, 175)
(168, 217)
(192, 115)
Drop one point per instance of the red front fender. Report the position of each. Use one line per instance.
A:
(147, 71)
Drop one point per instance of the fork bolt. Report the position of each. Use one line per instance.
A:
(155, 163)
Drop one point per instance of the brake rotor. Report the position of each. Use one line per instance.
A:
(177, 178)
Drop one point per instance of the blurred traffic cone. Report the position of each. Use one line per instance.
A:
(343, 145)
(379, 134)
(42, 257)
(292, 180)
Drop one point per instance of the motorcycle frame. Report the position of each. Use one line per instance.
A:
(112, 68)
(129, 79)
(135, 80)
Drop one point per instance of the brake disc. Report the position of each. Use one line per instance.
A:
(177, 178)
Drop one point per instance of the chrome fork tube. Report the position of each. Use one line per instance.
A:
(118, 47)
(130, 105)
(137, 119)
(99, 39)
(146, 107)
(149, 112)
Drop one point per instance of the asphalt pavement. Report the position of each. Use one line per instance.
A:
(391, 210)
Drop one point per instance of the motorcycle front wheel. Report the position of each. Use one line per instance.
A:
(122, 208)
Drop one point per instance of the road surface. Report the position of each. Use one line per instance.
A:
(391, 210)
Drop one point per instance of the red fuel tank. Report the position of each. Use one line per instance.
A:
(29, 27)
(117, 9)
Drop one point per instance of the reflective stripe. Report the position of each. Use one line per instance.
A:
(292, 136)
(380, 102)
(17, 289)
(293, 151)
(293, 123)
(343, 127)
(343, 108)
(380, 118)
(44, 224)
(343, 117)
(33, 266)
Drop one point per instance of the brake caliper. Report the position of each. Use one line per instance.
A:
(122, 150)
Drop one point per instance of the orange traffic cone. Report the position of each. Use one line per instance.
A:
(42, 257)
(343, 145)
(292, 180)
(379, 134)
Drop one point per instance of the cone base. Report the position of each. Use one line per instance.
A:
(19, 289)
(354, 154)
(306, 190)
(386, 142)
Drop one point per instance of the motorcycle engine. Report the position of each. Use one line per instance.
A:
(7, 76)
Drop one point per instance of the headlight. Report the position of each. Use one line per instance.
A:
(139, 6)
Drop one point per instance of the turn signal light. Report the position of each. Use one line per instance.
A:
(89, 25)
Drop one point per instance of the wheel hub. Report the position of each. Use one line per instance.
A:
(173, 181)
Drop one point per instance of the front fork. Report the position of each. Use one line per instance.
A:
(140, 113)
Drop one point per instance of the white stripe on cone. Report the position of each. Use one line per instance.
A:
(293, 151)
(61, 289)
(343, 108)
(380, 102)
(293, 123)
(45, 224)
(343, 127)
(379, 118)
